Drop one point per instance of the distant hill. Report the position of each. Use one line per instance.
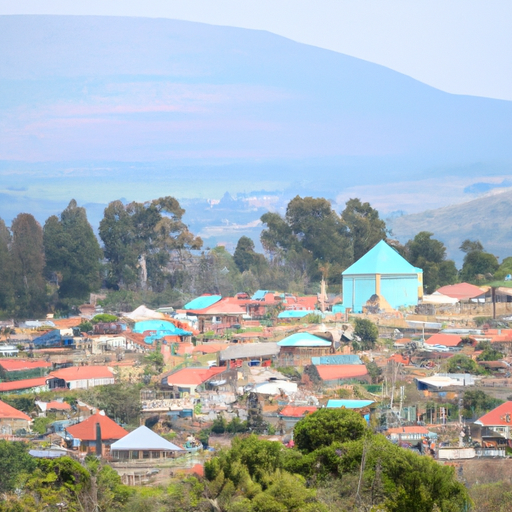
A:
(488, 219)
(152, 106)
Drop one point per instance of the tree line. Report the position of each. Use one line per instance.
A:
(148, 254)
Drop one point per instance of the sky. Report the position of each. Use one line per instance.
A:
(458, 46)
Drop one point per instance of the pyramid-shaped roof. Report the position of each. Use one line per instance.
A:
(303, 339)
(382, 259)
(86, 430)
(144, 438)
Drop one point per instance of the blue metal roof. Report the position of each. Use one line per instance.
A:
(382, 259)
(349, 404)
(303, 339)
(161, 327)
(260, 294)
(299, 313)
(339, 359)
(202, 302)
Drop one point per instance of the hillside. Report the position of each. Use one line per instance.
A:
(488, 219)
(153, 106)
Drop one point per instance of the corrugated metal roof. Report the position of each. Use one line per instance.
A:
(251, 350)
(349, 404)
(202, 302)
(382, 259)
(303, 339)
(299, 313)
(339, 359)
(143, 438)
(341, 371)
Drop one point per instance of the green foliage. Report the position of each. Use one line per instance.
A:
(154, 361)
(245, 256)
(430, 255)
(24, 402)
(476, 403)
(85, 326)
(14, 462)
(489, 352)
(367, 331)
(72, 253)
(236, 426)
(460, 363)
(103, 318)
(493, 497)
(219, 425)
(478, 265)
(373, 370)
(39, 424)
(326, 426)
(504, 269)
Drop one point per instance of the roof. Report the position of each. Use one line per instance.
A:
(382, 259)
(501, 416)
(303, 339)
(337, 359)
(341, 371)
(193, 376)
(15, 385)
(8, 412)
(294, 411)
(143, 438)
(246, 350)
(86, 431)
(54, 405)
(260, 294)
(13, 365)
(298, 313)
(82, 373)
(399, 358)
(202, 302)
(350, 404)
(226, 306)
(448, 340)
(408, 430)
(461, 291)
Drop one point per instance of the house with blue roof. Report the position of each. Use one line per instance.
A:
(382, 271)
(299, 348)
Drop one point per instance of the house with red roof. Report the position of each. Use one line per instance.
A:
(188, 380)
(24, 386)
(20, 369)
(448, 340)
(462, 291)
(333, 375)
(292, 414)
(220, 315)
(499, 420)
(80, 377)
(86, 432)
(12, 420)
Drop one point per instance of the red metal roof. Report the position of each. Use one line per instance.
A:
(13, 365)
(501, 416)
(461, 291)
(294, 411)
(448, 340)
(226, 306)
(341, 371)
(15, 385)
(193, 376)
(57, 406)
(8, 412)
(399, 358)
(82, 372)
(86, 431)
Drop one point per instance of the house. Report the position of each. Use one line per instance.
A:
(80, 377)
(292, 414)
(55, 338)
(155, 330)
(21, 369)
(444, 381)
(12, 420)
(188, 380)
(24, 386)
(381, 272)
(409, 434)
(85, 434)
(221, 315)
(499, 420)
(144, 445)
(251, 352)
(56, 406)
(448, 340)
(463, 292)
(332, 375)
(299, 348)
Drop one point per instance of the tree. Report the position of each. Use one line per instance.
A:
(367, 332)
(245, 257)
(478, 265)
(469, 246)
(146, 243)
(477, 402)
(28, 264)
(365, 227)
(460, 363)
(14, 461)
(6, 270)
(326, 426)
(72, 253)
(430, 255)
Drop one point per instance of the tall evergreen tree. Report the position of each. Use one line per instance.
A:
(28, 264)
(6, 277)
(72, 252)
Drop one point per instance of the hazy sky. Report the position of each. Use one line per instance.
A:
(460, 46)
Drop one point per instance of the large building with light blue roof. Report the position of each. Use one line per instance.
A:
(385, 273)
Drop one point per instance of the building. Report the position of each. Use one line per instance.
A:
(409, 434)
(299, 348)
(188, 380)
(448, 340)
(292, 414)
(24, 386)
(144, 445)
(12, 420)
(381, 272)
(499, 420)
(251, 352)
(21, 369)
(85, 434)
(80, 377)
